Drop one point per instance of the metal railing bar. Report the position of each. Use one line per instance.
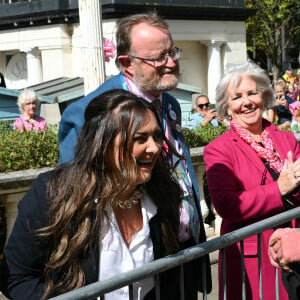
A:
(243, 270)
(259, 266)
(184, 256)
(157, 287)
(181, 283)
(203, 275)
(277, 283)
(223, 259)
(130, 289)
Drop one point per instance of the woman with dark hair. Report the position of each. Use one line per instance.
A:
(113, 208)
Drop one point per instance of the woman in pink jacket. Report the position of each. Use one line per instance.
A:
(28, 102)
(253, 172)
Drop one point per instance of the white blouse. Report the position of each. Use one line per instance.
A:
(116, 257)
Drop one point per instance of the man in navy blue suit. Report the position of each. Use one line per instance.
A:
(149, 67)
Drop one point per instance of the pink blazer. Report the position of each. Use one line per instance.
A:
(235, 175)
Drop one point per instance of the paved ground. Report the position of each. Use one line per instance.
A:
(214, 293)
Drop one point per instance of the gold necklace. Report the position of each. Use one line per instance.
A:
(134, 199)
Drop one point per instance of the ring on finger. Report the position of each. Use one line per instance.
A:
(281, 264)
(295, 175)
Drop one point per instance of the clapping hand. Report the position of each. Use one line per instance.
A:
(289, 178)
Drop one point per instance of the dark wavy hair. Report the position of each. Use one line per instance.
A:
(75, 217)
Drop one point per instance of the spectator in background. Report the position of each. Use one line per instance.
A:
(28, 102)
(295, 110)
(2, 81)
(298, 76)
(292, 91)
(298, 84)
(288, 77)
(202, 114)
(282, 102)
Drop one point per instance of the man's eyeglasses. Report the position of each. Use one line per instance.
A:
(174, 53)
(202, 105)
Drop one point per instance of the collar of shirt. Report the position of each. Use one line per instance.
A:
(116, 258)
(148, 209)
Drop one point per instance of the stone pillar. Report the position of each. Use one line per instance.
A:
(92, 47)
(34, 66)
(214, 72)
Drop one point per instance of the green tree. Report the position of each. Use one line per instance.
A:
(274, 27)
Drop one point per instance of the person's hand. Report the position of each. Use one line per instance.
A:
(289, 178)
(284, 248)
(284, 125)
(209, 115)
(281, 101)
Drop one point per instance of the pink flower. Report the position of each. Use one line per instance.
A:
(109, 49)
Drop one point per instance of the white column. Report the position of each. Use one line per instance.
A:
(92, 46)
(214, 72)
(34, 66)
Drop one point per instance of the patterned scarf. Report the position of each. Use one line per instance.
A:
(266, 152)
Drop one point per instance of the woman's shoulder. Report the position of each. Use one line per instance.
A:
(220, 147)
(281, 136)
(35, 198)
(19, 120)
(275, 131)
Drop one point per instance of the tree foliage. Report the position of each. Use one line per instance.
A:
(274, 27)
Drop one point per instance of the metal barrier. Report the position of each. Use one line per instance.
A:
(153, 269)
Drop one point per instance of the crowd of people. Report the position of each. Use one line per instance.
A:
(125, 192)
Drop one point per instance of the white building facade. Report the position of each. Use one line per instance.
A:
(35, 53)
